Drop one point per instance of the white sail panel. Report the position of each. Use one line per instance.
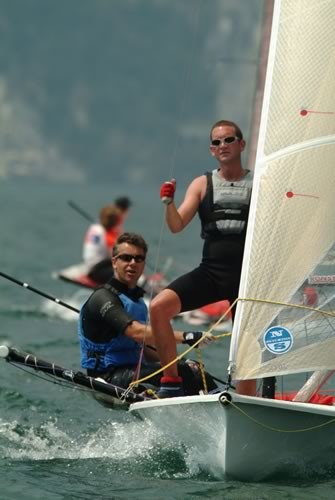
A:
(292, 218)
(302, 84)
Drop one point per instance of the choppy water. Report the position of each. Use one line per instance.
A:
(56, 442)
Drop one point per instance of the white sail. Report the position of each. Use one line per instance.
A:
(292, 217)
(290, 241)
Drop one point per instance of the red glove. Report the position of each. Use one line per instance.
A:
(167, 191)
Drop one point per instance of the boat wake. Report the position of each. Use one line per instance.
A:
(47, 308)
(133, 447)
(17, 311)
(54, 310)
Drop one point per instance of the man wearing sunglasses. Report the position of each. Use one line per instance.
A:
(113, 327)
(221, 198)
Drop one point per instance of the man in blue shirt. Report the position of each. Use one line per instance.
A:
(114, 331)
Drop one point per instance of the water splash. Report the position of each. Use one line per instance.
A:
(132, 446)
(54, 310)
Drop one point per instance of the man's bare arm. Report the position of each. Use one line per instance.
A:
(178, 219)
(143, 333)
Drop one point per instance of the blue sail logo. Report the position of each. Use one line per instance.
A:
(278, 339)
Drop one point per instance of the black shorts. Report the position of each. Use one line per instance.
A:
(205, 285)
(216, 278)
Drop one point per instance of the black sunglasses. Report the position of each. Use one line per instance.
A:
(127, 257)
(226, 140)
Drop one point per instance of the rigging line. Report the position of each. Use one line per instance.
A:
(186, 79)
(136, 380)
(178, 358)
(285, 431)
(139, 364)
(160, 370)
(48, 378)
(202, 372)
(277, 303)
(185, 87)
(221, 318)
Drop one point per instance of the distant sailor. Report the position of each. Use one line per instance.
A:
(113, 327)
(123, 203)
(222, 199)
(99, 241)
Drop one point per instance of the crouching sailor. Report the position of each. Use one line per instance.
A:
(113, 328)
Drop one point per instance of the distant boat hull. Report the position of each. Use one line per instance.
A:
(77, 275)
(251, 438)
(217, 312)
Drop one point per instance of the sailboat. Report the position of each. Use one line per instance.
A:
(291, 233)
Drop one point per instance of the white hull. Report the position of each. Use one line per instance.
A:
(77, 275)
(247, 438)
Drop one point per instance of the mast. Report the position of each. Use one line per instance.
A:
(258, 100)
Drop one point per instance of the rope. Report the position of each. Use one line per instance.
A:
(275, 429)
(202, 371)
(180, 356)
(185, 92)
(298, 306)
(187, 79)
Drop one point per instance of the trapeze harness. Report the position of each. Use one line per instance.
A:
(224, 210)
(105, 321)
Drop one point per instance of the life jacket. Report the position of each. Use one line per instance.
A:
(111, 235)
(98, 242)
(120, 350)
(224, 210)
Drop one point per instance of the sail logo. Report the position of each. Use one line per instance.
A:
(278, 339)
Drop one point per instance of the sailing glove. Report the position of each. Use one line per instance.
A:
(167, 191)
(191, 338)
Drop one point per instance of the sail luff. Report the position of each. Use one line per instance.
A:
(256, 182)
(262, 65)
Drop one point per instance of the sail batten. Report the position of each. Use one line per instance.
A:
(299, 147)
(291, 224)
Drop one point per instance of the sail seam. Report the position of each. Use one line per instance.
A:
(301, 146)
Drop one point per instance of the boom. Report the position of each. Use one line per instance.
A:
(76, 378)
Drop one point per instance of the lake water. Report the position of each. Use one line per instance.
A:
(56, 442)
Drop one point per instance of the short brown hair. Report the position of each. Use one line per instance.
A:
(133, 239)
(227, 123)
(109, 216)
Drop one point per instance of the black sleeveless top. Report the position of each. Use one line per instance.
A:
(223, 213)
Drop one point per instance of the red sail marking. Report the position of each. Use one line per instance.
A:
(290, 194)
(304, 112)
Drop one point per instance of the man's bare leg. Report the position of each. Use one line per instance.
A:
(163, 308)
